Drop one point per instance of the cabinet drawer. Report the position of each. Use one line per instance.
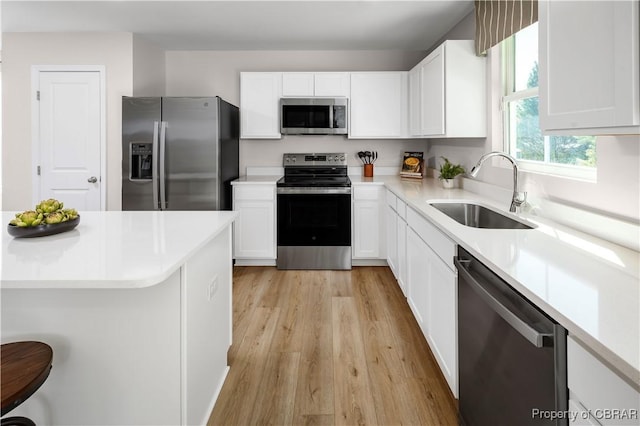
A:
(391, 200)
(368, 192)
(598, 388)
(439, 243)
(401, 208)
(254, 192)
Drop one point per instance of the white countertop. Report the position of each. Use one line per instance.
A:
(588, 285)
(109, 249)
(257, 179)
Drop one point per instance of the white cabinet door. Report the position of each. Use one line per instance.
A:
(598, 389)
(331, 84)
(368, 222)
(392, 246)
(447, 95)
(327, 84)
(415, 102)
(589, 66)
(432, 93)
(378, 105)
(259, 99)
(433, 296)
(297, 84)
(443, 318)
(401, 246)
(254, 232)
(417, 279)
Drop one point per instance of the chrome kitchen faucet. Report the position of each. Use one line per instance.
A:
(518, 198)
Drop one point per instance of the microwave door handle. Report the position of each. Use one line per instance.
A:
(331, 115)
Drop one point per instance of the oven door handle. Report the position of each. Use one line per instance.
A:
(527, 331)
(301, 190)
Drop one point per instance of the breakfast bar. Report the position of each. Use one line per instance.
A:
(137, 309)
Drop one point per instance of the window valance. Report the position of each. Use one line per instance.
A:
(497, 20)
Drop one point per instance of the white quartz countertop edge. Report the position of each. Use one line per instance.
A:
(157, 272)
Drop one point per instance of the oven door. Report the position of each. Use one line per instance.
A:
(314, 228)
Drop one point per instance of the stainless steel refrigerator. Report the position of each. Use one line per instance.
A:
(178, 153)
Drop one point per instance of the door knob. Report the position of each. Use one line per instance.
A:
(92, 179)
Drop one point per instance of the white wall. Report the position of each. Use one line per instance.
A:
(616, 192)
(148, 68)
(209, 73)
(23, 50)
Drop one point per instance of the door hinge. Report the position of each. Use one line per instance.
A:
(38, 170)
(38, 95)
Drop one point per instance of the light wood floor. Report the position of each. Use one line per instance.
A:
(328, 347)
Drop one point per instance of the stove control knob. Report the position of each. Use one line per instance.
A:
(342, 158)
(293, 159)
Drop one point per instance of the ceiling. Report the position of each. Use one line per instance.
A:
(249, 25)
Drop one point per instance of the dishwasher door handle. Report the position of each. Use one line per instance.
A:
(536, 338)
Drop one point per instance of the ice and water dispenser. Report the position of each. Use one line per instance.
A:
(140, 159)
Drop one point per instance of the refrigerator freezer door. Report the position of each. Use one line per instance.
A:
(138, 118)
(191, 153)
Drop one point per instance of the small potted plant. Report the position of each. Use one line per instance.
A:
(448, 171)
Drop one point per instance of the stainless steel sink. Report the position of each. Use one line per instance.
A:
(478, 216)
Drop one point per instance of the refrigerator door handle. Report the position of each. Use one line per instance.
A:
(163, 191)
(154, 166)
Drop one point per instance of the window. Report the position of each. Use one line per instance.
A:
(570, 156)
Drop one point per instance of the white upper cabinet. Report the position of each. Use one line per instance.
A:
(415, 101)
(432, 100)
(589, 67)
(378, 105)
(448, 93)
(298, 84)
(332, 84)
(259, 105)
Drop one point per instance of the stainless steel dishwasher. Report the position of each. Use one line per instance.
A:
(512, 357)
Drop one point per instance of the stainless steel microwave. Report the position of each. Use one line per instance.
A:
(313, 116)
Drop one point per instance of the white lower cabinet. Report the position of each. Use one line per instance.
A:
(417, 278)
(432, 292)
(401, 243)
(254, 232)
(369, 240)
(397, 239)
(598, 391)
(392, 238)
(443, 318)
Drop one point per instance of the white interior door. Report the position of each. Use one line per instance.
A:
(69, 138)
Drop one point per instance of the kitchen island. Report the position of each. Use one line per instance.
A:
(137, 309)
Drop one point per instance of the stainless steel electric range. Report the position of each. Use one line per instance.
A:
(314, 212)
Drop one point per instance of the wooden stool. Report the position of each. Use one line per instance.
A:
(24, 368)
